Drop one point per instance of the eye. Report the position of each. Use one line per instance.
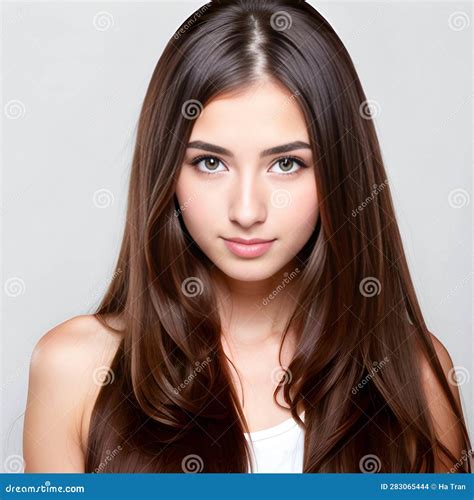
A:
(209, 163)
(287, 163)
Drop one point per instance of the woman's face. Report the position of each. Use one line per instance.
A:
(232, 185)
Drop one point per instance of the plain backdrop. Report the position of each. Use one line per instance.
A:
(74, 75)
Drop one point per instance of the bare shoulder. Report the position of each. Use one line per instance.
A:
(64, 380)
(428, 375)
(448, 426)
(84, 336)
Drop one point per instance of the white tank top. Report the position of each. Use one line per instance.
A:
(278, 448)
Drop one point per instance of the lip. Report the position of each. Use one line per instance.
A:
(254, 247)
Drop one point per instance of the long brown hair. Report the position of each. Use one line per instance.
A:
(171, 406)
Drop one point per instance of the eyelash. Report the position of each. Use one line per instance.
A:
(300, 162)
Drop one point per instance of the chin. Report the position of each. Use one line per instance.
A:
(248, 270)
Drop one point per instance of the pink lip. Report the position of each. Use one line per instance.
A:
(248, 248)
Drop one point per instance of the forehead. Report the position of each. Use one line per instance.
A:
(262, 115)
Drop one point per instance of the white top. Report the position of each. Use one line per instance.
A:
(278, 448)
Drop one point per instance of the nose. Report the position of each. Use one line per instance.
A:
(247, 201)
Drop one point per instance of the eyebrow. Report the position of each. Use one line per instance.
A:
(284, 148)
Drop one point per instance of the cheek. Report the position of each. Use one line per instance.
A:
(197, 208)
(301, 215)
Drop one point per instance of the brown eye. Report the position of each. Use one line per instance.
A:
(288, 164)
(207, 164)
(211, 163)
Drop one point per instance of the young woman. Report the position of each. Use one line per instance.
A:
(261, 316)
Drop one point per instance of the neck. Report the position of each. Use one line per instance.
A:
(254, 313)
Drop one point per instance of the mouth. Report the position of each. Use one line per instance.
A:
(251, 248)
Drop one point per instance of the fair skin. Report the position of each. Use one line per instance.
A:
(236, 201)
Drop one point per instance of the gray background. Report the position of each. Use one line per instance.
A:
(73, 81)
